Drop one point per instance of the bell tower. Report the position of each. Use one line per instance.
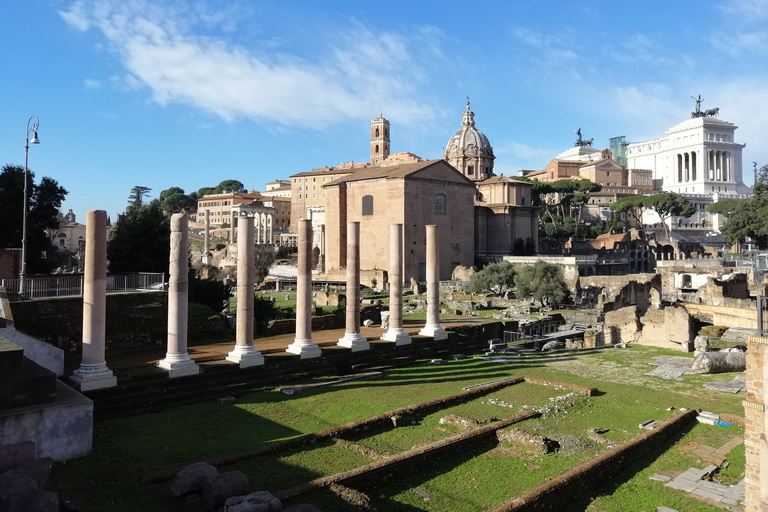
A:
(379, 140)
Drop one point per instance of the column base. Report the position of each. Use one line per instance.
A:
(399, 336)
(434, 331)
(246, 356)
(354, 341)
(93, 376)
(179, 365)
(207, 259)
(304, 348)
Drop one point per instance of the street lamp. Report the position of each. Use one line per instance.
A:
(34, 140)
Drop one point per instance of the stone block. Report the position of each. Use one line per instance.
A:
(36, 469)
(190, 480)
(34, 501)
(261, 501)
(529, 442)
(12, 455)
(219, 488)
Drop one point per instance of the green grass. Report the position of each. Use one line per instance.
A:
(126, 450)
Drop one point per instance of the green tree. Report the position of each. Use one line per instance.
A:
(205, 191)
(749, 218)
(543, 281)
(174, 200)
(725, 206)
(213, 293)
(631, 207)
(141, 240)
(264, 257)
(137, 195)
(669, 204)
(229, 186)
(496, 278)
(43, 204)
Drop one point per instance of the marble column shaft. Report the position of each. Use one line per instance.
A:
(352, 338)
(395, 332)
(303, 344)
(177, 360)
(432, 327)
(206, 260)
(93, 372)
(245, 353)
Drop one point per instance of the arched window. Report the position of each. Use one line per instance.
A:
(440, 204)
(377, 133)
(367, 205)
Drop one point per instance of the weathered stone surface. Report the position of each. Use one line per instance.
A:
(261, 501)
(302, 507)
(190, 480)
(459, 421)
(17, 486)
(719, 362)
(36, 469)
(219, 488)
(529, 442)
(621, 325)
(553, 345)
(34, 501)
(701, 344)
(12, 455)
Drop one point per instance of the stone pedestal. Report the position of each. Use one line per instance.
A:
(432, 327)
(245, 352)
(395, 331)
(177, 361)
(352, 338)
(303, 344)
(93, 372)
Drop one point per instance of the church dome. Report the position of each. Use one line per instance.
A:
(469, 149)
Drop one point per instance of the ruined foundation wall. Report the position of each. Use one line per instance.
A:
(754, 427)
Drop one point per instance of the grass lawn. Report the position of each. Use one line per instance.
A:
(475, 479)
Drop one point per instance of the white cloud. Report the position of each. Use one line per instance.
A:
(92, 84)
(749, 9)
(160, 50)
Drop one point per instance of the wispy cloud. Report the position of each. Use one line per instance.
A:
(749, 9)
(173, 53)
(553, 48)
(744, 29)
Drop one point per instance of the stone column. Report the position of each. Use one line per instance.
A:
(245, 353)
(232, 218)
(93, 372)
(432, 327)
(395, 332)
(207, 259)
(177, 361)
(352, 338)
(303, 344)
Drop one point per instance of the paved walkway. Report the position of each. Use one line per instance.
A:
(271, 345)
(695, 481)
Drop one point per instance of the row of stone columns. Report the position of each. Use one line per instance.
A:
(94, 373)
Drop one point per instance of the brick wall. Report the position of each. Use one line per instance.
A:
(754, 419)
(10, 263)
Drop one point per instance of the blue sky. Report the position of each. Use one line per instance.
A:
(163, 93)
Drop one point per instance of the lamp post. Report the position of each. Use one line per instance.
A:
(34, 140)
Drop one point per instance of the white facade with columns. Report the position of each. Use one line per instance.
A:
(698, 156)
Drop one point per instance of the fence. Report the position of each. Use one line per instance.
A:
(72, 286)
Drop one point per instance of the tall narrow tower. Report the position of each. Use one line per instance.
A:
(379, 140)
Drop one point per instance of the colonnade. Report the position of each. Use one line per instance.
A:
(94, 373)
(717, 166)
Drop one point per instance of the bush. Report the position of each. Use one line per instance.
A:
(713, 331)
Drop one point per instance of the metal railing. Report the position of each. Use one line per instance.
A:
(72, 285)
